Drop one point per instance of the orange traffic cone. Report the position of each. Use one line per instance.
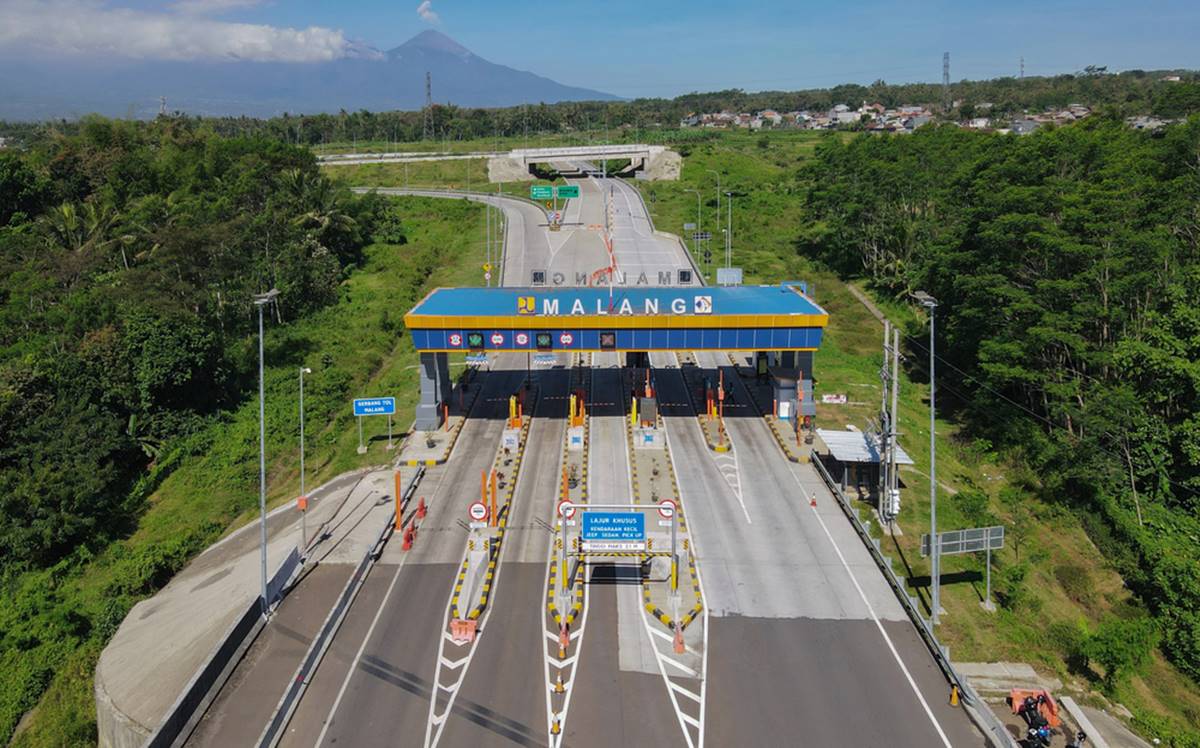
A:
(421, 509)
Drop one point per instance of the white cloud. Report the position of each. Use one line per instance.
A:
(212, 7)
(92, 27)
(426, 12)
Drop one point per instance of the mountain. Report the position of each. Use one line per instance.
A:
(44, 89)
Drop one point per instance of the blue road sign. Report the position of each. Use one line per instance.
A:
(614, 526)
(374, 406)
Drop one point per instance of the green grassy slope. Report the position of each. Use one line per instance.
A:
(355, 347)
(1070, 585)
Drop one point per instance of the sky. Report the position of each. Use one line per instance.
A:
(632, 49)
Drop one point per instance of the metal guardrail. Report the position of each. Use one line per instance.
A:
(275, 726)
(979, 711)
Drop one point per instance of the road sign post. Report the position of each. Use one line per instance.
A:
(974, 540)
(373, 406)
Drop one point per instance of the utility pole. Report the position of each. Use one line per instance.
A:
(162, 106)
(930, 303)
(261, 300)
(945, 82)
(427, 127)
(889, 478)
(1022, 67)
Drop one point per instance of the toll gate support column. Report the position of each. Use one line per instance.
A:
(445, 386)
(804, 385)
(429, 417)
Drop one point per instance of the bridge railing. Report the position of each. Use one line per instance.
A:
(980, 713)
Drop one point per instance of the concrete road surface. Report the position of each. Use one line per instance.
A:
(833, 659)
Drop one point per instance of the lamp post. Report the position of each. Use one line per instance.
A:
(696, 236)
(303, 496)
(261, 300)
(729, 232)
(718, 176)
(935, 554)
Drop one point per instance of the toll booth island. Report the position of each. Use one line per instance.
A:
(780, 323)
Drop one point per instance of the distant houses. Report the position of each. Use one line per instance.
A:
(875, 117)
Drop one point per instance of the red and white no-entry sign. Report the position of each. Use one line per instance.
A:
(666, 508)
(455, 340)
(566, 338)
(497, 339)
(478, 511)
(566, 509)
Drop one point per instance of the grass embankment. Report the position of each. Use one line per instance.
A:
(209, 485)
(466, 174)
(1068, 586)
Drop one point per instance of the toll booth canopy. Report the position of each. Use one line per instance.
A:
(742, 318)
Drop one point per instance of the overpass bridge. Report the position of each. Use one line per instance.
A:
(651, 161)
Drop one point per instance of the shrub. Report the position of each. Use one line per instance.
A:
(1076, 582)
(1122, 647)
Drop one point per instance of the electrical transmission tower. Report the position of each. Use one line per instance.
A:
(162, 106)
(945, 82)
(427, 128)
(1022, 68)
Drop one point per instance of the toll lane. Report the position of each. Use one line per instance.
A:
(394, 645)
(775, 573)
(503, 698)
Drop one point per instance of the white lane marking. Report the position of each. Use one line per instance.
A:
(703, 675)
(882, 632)
(359, 654)
(722, 460)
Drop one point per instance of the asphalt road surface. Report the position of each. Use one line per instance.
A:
(806, 644)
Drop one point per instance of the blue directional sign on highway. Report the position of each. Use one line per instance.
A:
(374, 406)
(614, 531)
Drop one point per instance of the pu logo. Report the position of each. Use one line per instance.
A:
(526, 305)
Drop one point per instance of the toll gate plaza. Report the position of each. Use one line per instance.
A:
(781, 324)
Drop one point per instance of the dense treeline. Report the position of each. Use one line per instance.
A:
(1131, 92)
(1067, 267)
(128, 257)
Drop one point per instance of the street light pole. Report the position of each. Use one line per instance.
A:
(718, 175)
(935, 553)
(696, 236)
(303, 496)
(261, 300)
(729, 233)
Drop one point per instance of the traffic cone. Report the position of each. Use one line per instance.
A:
(564, 639)
(679, 646)
(954, 696)
(555, 727)
(421, 509)
(409, 536)
(558, 684)
(813, 501)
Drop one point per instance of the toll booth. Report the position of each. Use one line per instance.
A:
(783, 393)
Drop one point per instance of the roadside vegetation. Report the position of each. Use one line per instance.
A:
(1084, 592)
(129, 360)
